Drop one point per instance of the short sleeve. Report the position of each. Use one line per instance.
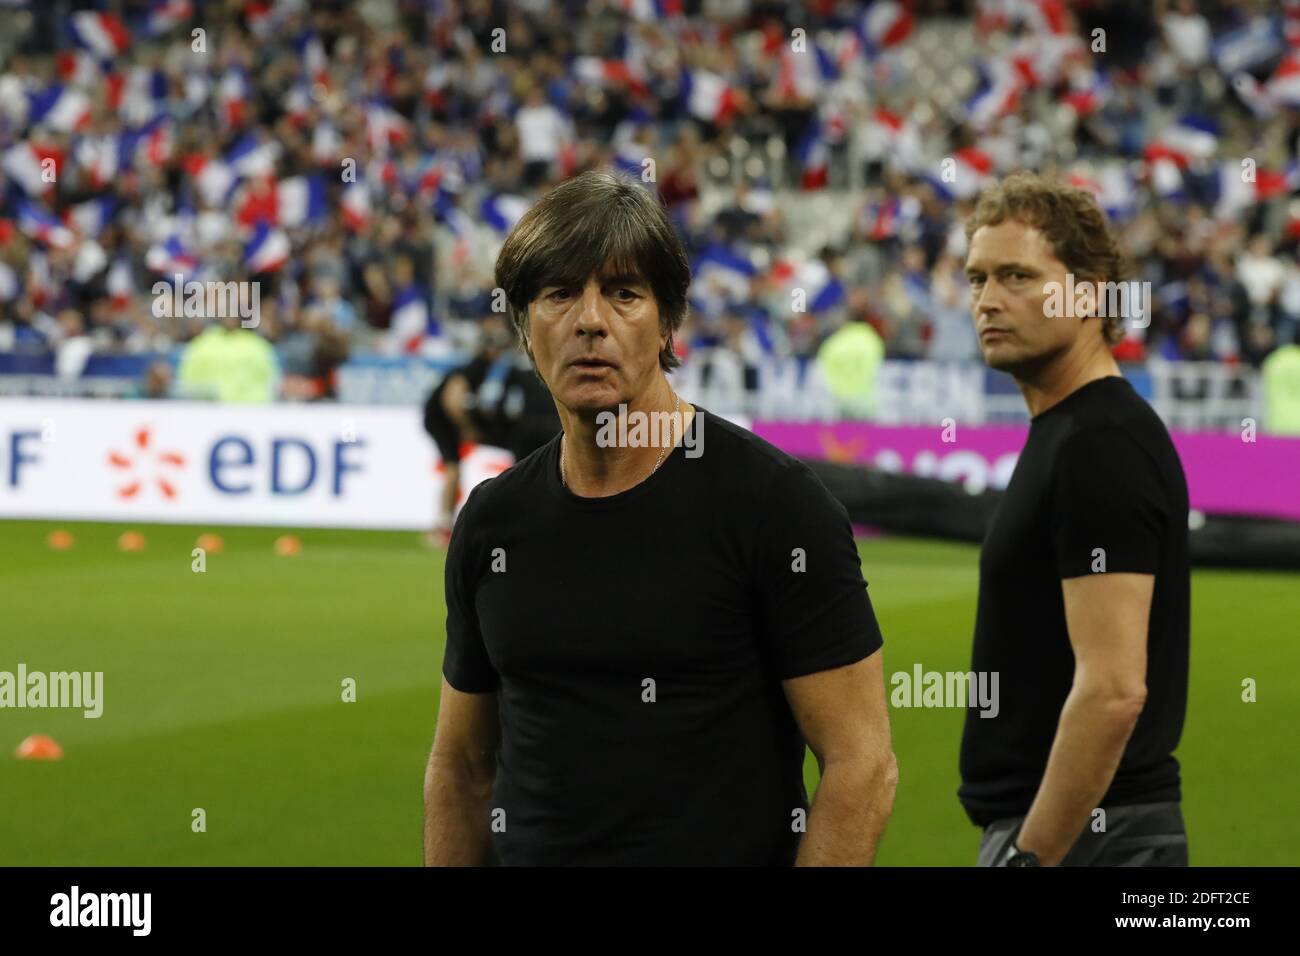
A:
(465, 663)
(1108, 508)
(815, 613)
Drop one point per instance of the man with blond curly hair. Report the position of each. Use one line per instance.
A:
(1084, 575)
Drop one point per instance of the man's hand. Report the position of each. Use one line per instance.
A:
(1107, 617)
(843, 717)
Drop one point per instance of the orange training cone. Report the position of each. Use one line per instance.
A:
(287, 545)
(39, 747)
(59, 540)
(210, 543)
(130, 541)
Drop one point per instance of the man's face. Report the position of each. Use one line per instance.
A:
(1008, 266)
(597, 345)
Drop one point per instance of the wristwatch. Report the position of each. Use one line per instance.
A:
(1018, 857)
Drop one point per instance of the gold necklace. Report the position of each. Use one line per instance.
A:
(677, 411)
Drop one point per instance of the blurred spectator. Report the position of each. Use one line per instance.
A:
(156, 383)
(230, 364)
(848, 361)
(1280, 375)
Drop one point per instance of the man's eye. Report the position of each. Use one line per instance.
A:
(626, 294)
(558, 294)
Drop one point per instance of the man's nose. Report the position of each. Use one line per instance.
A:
(591, 311)
(989, 300)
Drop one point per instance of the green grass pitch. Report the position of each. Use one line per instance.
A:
(222, 691)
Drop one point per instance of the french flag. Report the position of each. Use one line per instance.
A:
(461, 226)
(1284, 85)
(60, 108)
(232, 96)
(1190, 139)
(24, 164)
(972, 169)
(170, 256)
(822, 289)
(300, 201)
(890, 126)
(502, 210)
(1112, 187)
(354, 204)
(311, 52)
(101, 33)
(708, 96)
(596, 71)
(141, 95)
(166, 15)
(885, 25)
(814, 156)
(385, 127)
(721, 268)
(250, 156)
(118, 282)
(92, 216)
(882, 219)
(410, 320)
(651, 11)
(212, 176)
(998, 93)
(1248, 47)
(151, 142)
(804, 74)
(1087, 93)
(628, 158)
(1236, 196)
(267, 250)
(44, 226)
(78, 68)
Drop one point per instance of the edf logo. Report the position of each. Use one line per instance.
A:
(22, 453)
(234, 464)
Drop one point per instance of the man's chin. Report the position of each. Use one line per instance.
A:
(1003, 359)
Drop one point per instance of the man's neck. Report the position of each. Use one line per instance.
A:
(596, 467)
(1066, 374)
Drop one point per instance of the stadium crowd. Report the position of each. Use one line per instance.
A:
(362, 162)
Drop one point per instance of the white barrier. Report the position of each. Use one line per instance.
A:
(187, 462)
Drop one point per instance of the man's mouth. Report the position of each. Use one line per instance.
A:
(592, 363)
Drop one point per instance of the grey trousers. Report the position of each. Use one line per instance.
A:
(1142, 834)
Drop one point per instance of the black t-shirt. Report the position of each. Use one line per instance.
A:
(1098, 480)
(568, 607)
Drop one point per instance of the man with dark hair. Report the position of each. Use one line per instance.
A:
(641, 637)
(1084, 572)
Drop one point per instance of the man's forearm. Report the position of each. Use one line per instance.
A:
(1090, 738)
(456, 817)
(853, 803)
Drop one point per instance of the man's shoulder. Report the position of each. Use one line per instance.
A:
(523, 478)
(758, 463)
